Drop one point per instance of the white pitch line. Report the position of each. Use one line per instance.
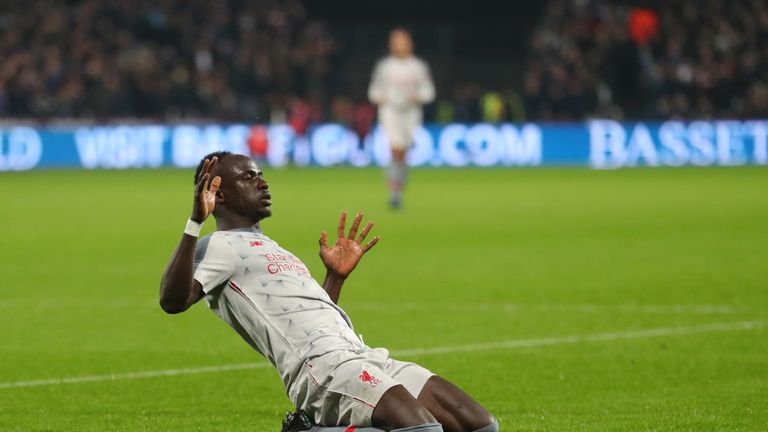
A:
(135, 375)
(562, 340)
(548, 308)
(508, 344)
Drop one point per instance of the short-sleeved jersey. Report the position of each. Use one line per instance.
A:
(267, 295)
(397, 81)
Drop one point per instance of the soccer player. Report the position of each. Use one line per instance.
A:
(268, 297)
(401, 84)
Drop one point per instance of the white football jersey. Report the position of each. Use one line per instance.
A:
(404, 84)
(267, 295)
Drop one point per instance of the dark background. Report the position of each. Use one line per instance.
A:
(461, 40)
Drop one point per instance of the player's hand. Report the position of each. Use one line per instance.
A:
(343, 256)
(205, 192)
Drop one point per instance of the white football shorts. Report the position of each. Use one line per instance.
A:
(342, 388)
(399, 127)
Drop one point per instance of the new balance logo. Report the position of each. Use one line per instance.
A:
(256, 243)
(370, 379)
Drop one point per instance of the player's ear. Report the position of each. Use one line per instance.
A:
(219, 197)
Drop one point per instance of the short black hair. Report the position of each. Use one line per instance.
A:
(217, 154)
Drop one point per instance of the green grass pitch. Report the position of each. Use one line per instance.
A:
(562, 299)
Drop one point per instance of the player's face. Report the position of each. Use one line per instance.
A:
(400, 44)
(244, 189)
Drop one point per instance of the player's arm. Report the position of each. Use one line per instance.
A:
(343, 256)
(425, 89)
(376, 88)
(178, 289)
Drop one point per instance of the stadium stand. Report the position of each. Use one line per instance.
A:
(159, 58)
(679, 59)
(271, 61)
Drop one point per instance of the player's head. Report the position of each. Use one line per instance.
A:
(400, 42)
(243, 193)
(221, 155)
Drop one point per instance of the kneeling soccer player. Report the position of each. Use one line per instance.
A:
(267, 296)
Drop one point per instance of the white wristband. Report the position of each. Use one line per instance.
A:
(193, 228)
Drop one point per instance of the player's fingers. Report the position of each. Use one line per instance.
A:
(215, 183)
(206, 183)
(371, 244)
(365, 231)
(202, 172)
(355, 226)
(210, 167)
(342, 224)
(202, 184)
(213, 163)
(323, 240)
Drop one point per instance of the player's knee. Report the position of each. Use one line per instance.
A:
(426, 427)
(493, 426)
(398, 409)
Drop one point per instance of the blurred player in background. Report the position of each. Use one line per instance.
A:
(401, 84)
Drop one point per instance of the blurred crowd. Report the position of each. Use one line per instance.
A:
(679, 59)
(159, 58)
(267, 60)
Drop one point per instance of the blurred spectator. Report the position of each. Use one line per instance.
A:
(444, 111)
(466, 102)
(492, 106)
(342, 110)
(362, 119)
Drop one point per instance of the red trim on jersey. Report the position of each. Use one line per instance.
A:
(256, 308)
(242, 294)
(362, 401)
(237, 288)
(317, 384)
(350, 429)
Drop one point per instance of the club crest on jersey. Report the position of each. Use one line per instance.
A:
(370, 379)
(256, 243)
